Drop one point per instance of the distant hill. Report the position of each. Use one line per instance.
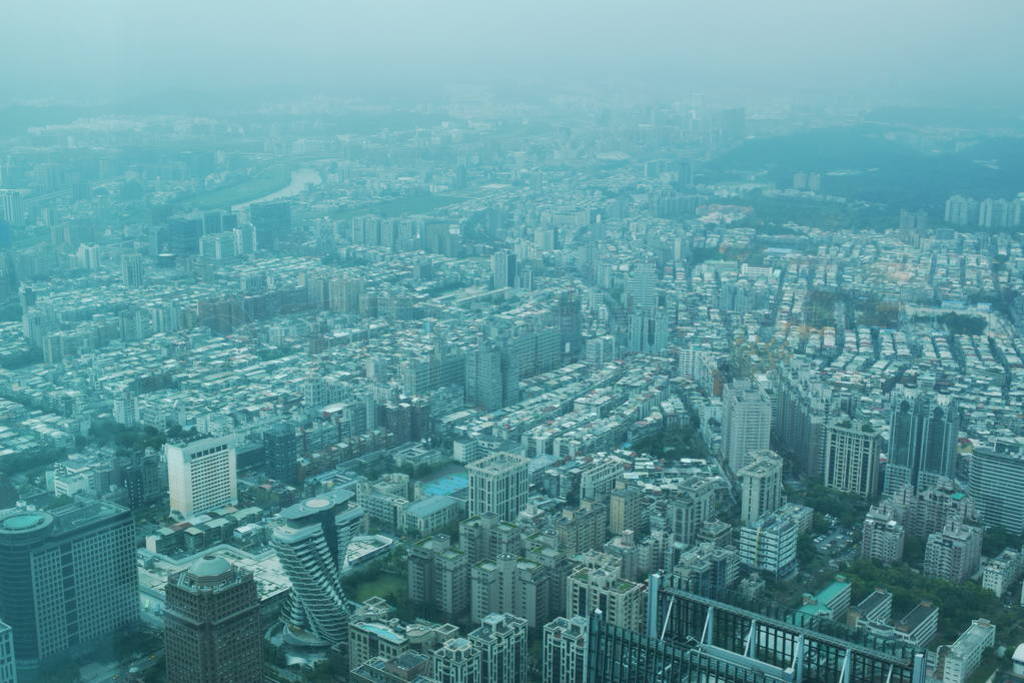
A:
(971, 119)
(16, 119)
(887, 172)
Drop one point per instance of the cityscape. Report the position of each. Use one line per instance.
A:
(580, 381)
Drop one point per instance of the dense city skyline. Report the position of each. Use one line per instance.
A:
(536, 342)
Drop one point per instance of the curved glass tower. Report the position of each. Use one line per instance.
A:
(312, 553)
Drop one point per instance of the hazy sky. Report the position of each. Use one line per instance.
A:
(111, 48)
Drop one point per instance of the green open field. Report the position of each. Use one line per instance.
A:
(382, 585)
(263, 183)
(393, 208)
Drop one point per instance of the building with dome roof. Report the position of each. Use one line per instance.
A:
(212, 624)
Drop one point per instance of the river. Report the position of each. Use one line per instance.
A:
(301, 179)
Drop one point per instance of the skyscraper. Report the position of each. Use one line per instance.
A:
(201, 475)
(8, 665)
(805, 405)
(685, 512)
(282, 448)
(309, 546)
(570, 324)
(641, 288)
(599, 586)
(961, 210)
(922, 439)
(760, 486)
(503, 269)
(457, 661)
(12, 207)
(997, 485)
(132, 275)
(67, 577)
(438, 576)
(953, 554)
(181, 236)
(994, 213)
(272, 221)
(882, 536)
(498, 484)
(851, 458)
(501, 641)
(746, 422)
(625, 508)
(564, 655)
(513, 584)
(647, 330)
(769, 545)
(492, 376)
(212, 625)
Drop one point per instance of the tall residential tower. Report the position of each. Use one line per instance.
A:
(212, 625)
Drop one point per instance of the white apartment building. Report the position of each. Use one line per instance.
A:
(201, 475)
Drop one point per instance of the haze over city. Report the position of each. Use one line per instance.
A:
(525, 342)
(948, 53)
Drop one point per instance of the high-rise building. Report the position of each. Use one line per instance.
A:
(311, 547)
(852, 452)
(746, 423)
(457, 661)
(272, 222)
(769, 545)
(922, 439)
(492, 377)
(805, 405)
(181, 236)
(625, 509)
(647, 330)
(67, 577)
(570, 324)
(581, 529)
(882, 536)
(706, 569)
(498, 483)
(641, 288)
(438, 576)
(961, 210)
(599, 586)
(485, 537)
(995, 213)
(201, 475)
(1002, 571)
(501, 641)
(132, 272)
(12, 207)
(212, 624)
(504, 271)
(281, 445)
(8, 665)
(564, 655)
(760, 486)
(686, 512)
(515, 585)
(126, 408)
(929, 510)
(997, 485)
(953, 554)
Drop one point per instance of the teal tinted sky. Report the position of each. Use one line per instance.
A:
(899, 49)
